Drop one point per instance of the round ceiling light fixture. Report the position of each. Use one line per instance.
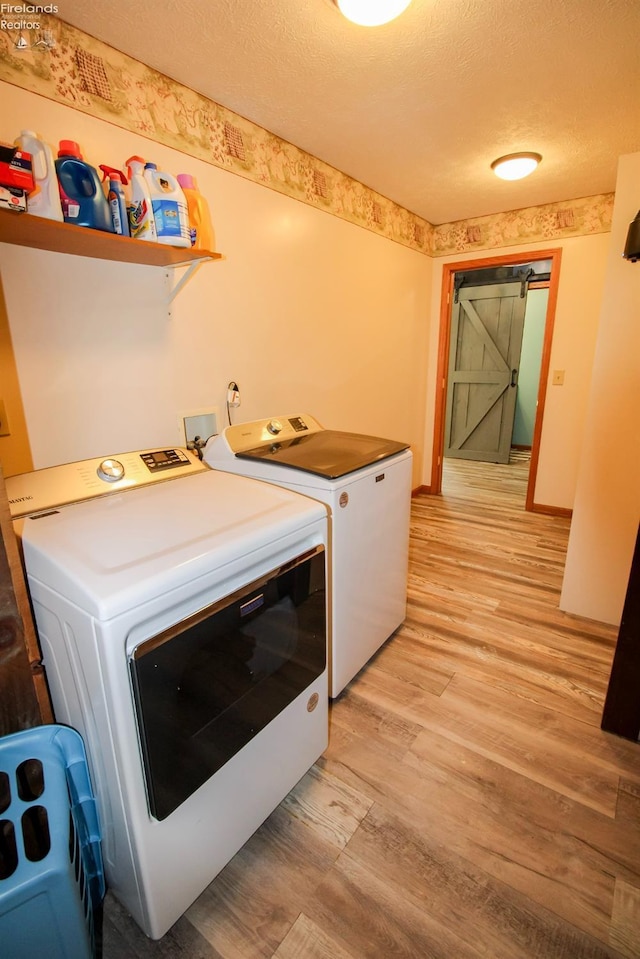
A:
(515, 166)
(371, 13)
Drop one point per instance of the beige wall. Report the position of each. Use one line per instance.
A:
(581, 282)
(607, 502)
(306, 312)
(15, 453)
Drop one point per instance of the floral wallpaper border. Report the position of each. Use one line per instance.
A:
(551, 221)
(57, 61)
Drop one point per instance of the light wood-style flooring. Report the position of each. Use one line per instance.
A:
(469, 804)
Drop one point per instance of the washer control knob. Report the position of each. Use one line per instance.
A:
(111, 471)
(274, 427)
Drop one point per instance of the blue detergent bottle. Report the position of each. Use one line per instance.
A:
(81, 195)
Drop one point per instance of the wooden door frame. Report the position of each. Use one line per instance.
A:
(448, 272)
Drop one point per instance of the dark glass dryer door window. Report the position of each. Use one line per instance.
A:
(206, 687)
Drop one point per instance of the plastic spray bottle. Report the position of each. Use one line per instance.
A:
(200, 226)
(118, 206)
(45, 199)
(141, 220)
(107, 171)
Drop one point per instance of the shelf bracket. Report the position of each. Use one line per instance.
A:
(184, 279)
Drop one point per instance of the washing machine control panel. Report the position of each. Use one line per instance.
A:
(160, 460)
(298, 425)
(57, 486)
(246, 436)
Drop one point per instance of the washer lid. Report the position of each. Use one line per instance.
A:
(327, 453)
(114, 553)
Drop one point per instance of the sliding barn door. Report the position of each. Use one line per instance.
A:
(484, 357)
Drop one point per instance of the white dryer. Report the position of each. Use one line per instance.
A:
(183, 633)
(366, 483)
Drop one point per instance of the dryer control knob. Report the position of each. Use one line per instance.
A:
(111, 471)
(274, 427)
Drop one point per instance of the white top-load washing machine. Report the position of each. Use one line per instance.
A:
(183, 631)
(366, 483)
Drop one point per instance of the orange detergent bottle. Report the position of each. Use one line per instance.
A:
(199, 216)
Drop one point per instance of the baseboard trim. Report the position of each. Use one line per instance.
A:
(551, 510)
(535, 507)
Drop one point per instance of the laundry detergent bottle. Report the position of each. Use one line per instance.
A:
(45, 199)
(200, 227)
(169, 207)
(81, 196)
(141, 221)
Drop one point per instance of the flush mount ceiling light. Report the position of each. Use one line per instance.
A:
(371, 13)
(515, 166)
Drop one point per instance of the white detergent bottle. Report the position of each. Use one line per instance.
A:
(142, 223)
(45, 199)
(169, 207)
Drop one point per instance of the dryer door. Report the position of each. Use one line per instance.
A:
(204, 688)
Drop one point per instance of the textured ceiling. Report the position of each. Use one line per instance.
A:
(419, 108)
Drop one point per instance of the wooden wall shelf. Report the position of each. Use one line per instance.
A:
(39, 233)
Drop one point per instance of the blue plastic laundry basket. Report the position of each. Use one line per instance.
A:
(51, 875)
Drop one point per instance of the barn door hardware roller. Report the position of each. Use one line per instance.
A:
(524, 276)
